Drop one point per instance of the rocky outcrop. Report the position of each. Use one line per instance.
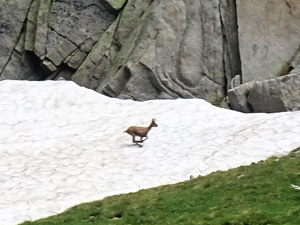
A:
(135, 49)
(269, 38)
(151, 49)
(56, 37)
(274, 95)
(176, 49)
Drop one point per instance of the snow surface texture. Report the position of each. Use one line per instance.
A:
(61, 145)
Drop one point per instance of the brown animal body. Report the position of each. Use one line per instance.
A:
(140, 132)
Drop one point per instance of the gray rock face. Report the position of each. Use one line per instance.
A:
(269, 37)
(274, 95)
(148, 49)
(163, 55)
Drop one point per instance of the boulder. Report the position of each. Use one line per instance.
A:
(290, 91)
(265, 96)
(238, 97)
(274, 95)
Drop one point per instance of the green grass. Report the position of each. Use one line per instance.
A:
(249, 195)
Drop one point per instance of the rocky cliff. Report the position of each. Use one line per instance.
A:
(150, 49)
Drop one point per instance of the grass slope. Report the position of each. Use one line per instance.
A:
(248, 195)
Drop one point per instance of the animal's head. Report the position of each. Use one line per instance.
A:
(153, 123)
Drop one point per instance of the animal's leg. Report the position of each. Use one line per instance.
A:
(133, 139)
(142, 140)
(136, 142)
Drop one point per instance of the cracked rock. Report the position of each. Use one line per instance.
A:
(175, 49)
(13, 14)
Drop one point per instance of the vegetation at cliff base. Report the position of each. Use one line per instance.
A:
(249, 195)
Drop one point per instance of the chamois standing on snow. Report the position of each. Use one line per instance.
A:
(140, 131)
